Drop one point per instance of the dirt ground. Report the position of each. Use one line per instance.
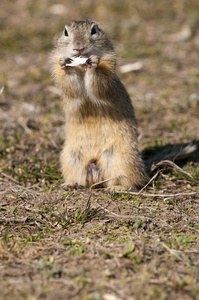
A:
(112, 246)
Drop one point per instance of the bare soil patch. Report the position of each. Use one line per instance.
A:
(89, 244)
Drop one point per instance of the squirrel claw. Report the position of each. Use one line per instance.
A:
(93, 61)
(64, 60)
(71, 187)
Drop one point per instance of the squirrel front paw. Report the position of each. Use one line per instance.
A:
(93, 61)
(63, 61)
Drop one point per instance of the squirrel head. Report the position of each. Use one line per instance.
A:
(83, 38)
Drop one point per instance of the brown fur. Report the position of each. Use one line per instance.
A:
(101, 136)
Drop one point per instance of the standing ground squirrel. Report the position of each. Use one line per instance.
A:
(101, 131)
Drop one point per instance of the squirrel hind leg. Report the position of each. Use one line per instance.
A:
(71, 187)
(115, 188)
(122, 183)
(117, 184)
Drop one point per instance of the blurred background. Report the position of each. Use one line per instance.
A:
(161, 35)
(112, 246)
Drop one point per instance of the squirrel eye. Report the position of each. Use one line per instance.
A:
(94, 30)
(65, 32)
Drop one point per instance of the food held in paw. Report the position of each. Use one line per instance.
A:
(76, 61)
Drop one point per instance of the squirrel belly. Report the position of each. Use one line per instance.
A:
(98, 148)
(101, 132)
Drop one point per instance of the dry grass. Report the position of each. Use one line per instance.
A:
(89, 244)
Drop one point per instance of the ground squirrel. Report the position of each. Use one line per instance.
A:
(101, 132)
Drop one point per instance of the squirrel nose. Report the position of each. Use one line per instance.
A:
(78, 45)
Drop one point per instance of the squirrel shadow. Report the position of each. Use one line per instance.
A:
(179, 153)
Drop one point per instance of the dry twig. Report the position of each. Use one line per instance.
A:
(100, 182)
(149, 182)
(9, 177)
(157, 195)
(173, 165)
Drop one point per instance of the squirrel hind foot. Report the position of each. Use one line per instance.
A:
(71, 187)
(116, 188)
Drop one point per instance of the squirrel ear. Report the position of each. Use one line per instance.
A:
(95, 29)
(65, 32)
